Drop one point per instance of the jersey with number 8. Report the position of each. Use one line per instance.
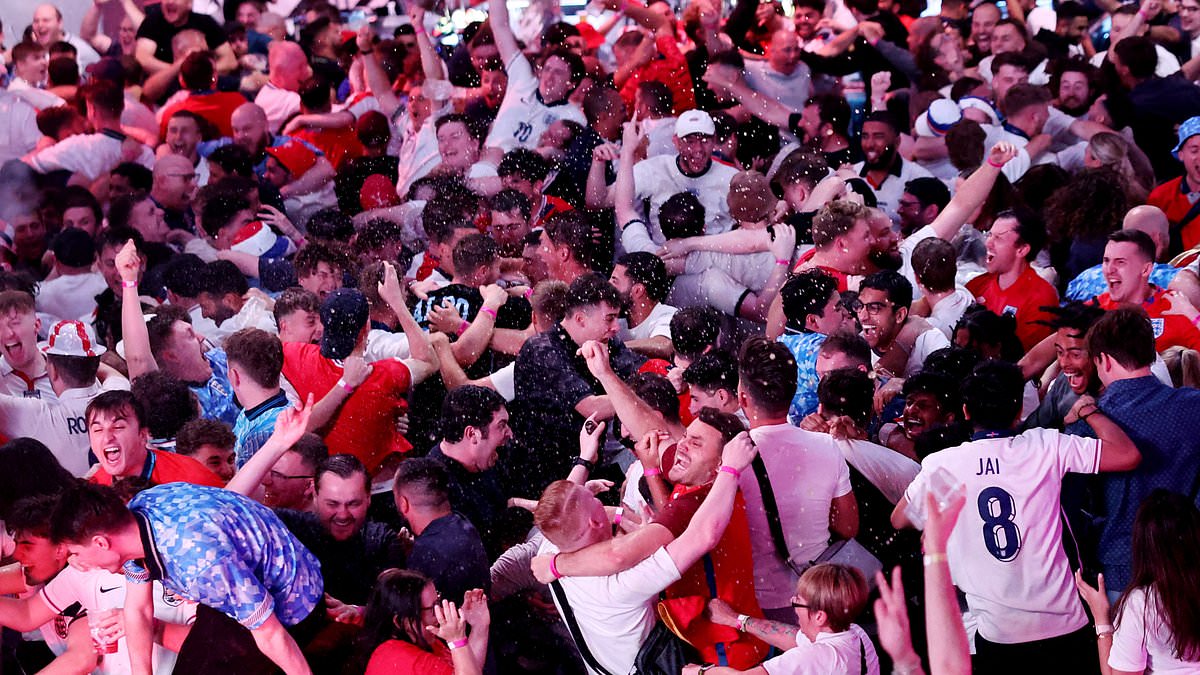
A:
(1006, 550)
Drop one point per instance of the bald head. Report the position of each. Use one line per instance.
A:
(1152, 221)
(185, 42)
(249, 123)
(47, 24)
(169, 164)
(288, 65)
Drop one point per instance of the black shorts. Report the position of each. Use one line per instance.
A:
(1071, 653)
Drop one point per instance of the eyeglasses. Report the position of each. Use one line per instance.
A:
(275, 475)
(873, 308)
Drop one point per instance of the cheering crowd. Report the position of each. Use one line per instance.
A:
(802, 336)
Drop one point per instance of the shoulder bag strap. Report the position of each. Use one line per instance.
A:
(573, 626)
(771, 508)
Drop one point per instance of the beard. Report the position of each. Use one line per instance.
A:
(885, 159)
(1075, 110)
(886, 260)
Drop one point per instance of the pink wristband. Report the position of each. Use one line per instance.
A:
(462, 327)
(554, 567)
(457, 644)
(129, 284)
(489, 311)
(617, 517)
(528, 292)
(725, 468)
(652, 471)
(345, 385)
(418, 30)
(991, 163)
(781, 261)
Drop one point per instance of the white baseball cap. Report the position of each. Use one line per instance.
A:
(695, 122)
(72, 338)
(982, 105)
(937, 120)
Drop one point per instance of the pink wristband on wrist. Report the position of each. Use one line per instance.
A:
(462, 327)
(128, 284)
(991, 163)
(489, 311)
(651, 472)
(528, 292)
(457, 644)
(554, 566)
(725, 468)
(781, 261)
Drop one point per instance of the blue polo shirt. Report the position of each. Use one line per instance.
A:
(226, 551)
(1160, 420)
(804, 348)
(255, 426)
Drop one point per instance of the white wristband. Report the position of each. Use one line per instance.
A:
(1102, 628)
(344, 385)
(741, 622)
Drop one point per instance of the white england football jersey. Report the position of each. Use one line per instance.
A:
(523, 116)
(1006, 551)
(98, 591)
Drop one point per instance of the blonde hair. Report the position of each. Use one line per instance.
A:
(557, 512)
(838, 590)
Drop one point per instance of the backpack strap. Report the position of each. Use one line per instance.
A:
(771, 509)
(573, 627)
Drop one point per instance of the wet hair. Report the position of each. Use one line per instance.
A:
(682, 215)
(258, 354)
(86, 510)
(648, 270)
(849, 392)
(474, 251)
(694, 330)
(804, 294)
(713, 371)
(992, 395)
(202, 431)
(767, 373)
(899, 290)
(1124, 335)
(573, 230)
(468, 406)
(590, 290)
(935, 264)
(423, 481)
(853, 345)
(167, 402)
(344, 466)
(293, 299)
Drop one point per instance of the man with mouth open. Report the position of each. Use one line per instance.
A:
(120, 441)
(900, 341)
(22, 366)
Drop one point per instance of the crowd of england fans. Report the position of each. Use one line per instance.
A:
(767, 336)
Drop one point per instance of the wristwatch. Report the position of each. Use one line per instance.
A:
(704, 668)
(585, 463)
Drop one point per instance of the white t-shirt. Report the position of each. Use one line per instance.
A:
(1167, 66)
(278, 103)
(807, 473)
(658, 323)
(19, 134)
(886, 469)
(383, 345)
(71, 296)
(523, 116)
(1006, 550)
(888, 194)
(927, 343)
(616, 613)
(91, 155)
(945, 314)
(841, 653)
(505, 381)
(791, 90)
(1144, 642)
(60, 424)
(98, 591)
(659, 178)
(418, 147)
(253, 314)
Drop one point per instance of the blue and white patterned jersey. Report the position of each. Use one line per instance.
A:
(255, 426)
(1091, 283)
(804, 348)
(216, 395)
(226, 551)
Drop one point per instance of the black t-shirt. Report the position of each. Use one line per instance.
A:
(349, 567)
(155, 27)
(515, 313)
(450, 552)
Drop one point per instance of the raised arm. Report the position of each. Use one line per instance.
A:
(973, 192)
(377, 79)
(424, 361)
(711, 519)
(607, 557)
(597, 193)
(138, 356)
(637, 416)
(724, 78)
(506, 42)
(625, 191)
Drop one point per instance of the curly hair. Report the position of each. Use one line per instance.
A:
(1090, 206)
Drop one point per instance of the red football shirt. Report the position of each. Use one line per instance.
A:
(215, 106)
(1170, 330)
(365, 426)
(1174, 202)
(167, 467)
(732, 570)
(1023, 300)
